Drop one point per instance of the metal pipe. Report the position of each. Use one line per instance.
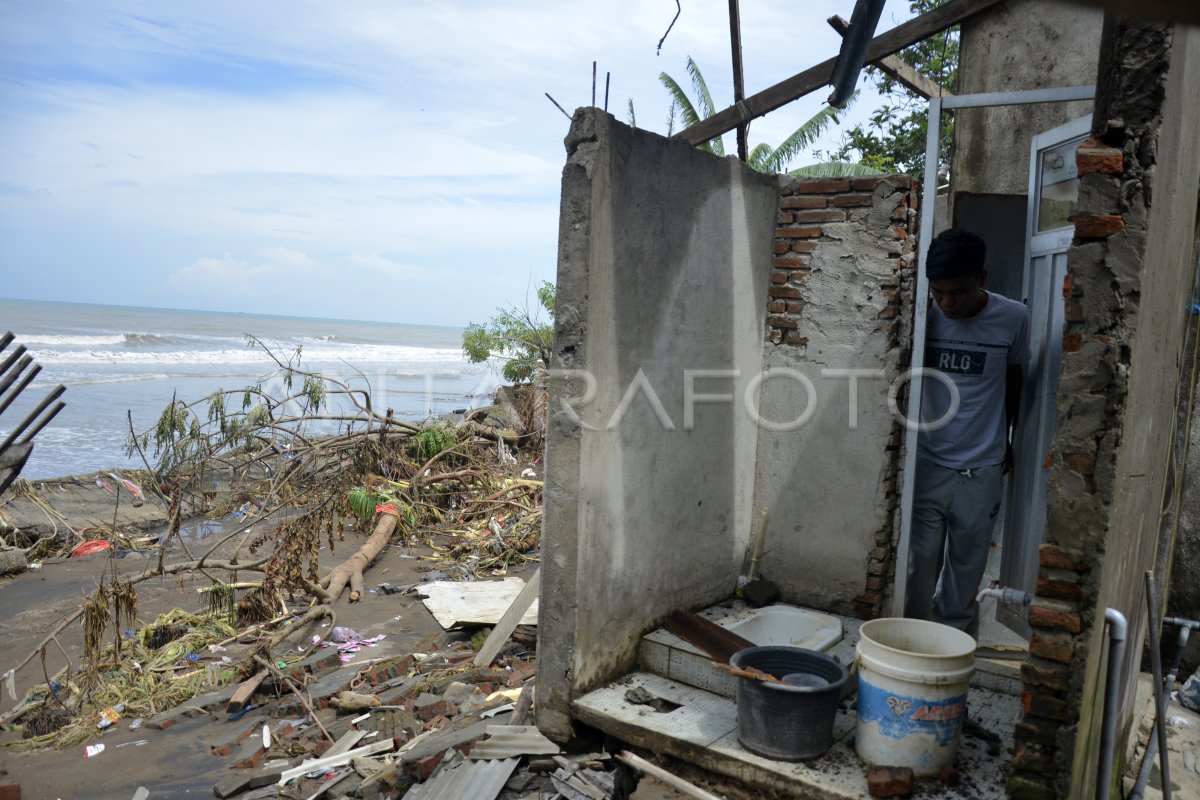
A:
(1057, 94)
(1160, 706)
(1117, 630)
(1006, 595)
(1143, 778)
(739, 84)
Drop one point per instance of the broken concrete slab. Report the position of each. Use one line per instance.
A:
(455, 604)
(242, 780)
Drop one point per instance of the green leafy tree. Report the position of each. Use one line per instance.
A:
(762, 157)
(517, 335)
(894, 138)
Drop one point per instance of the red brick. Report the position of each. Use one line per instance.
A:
(900, 231)
(848, 200)
(1098, 226)
(1046, 674)
(1053, 556)
(1082, 463)
(782, 322)
(785, 292)
(879, 553)
(874, 583)
(804, 201)
(791, 261)
(800, 246)
(1053, 646)
(779, 277)
(826, 186)
(890, 781)
(820, 215)
(890, 312)
(794, 306)
(899, 214)
(1031, 758)
(866, 183)
(1063, 590)
(777, 306)
(1072, 311)
(1093, 157)
(425, 767)
(799, 233)
(10, 791)
(1068, 284)
(794, 338)
(775, 337)
(781, 247)
(1072, 342)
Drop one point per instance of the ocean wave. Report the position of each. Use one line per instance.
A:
(31, 340)
(36, 341)
(411, 357)
(94, 380)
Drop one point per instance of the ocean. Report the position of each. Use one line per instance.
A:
(116, 360)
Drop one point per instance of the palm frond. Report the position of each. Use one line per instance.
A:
(679, 100)
(700, 86)
(834, 169)
(760, 157)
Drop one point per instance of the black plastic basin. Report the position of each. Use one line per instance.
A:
(784, 721)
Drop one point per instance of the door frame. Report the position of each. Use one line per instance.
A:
(937, 105)
(1041, 293)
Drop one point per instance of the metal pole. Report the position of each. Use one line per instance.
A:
(920, 294)
(1160, 704)
(739, 87)
(1117, 627)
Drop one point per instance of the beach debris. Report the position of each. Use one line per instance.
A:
(457, 604)
(89, 547)
(17, 444)
(93, 750)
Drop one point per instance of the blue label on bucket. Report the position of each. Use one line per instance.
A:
(899, 715)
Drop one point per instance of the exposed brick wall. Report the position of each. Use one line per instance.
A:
(1093, 555)
(810, 213)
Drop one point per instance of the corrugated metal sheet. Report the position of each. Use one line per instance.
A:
(506, 741)
(470, 780)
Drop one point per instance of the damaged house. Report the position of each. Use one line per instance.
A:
(729, 342)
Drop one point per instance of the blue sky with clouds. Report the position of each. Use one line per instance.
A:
(366, 160)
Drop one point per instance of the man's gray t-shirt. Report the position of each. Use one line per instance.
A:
(974, 353)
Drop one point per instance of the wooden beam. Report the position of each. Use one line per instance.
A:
(902, 71)
(813, 78)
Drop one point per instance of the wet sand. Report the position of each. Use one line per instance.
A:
(175, 762)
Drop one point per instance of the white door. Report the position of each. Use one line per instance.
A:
(1053, 192)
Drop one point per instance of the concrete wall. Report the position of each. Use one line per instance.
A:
(1130, 277)
(664, 253)
(842, 274)
(1021, 44)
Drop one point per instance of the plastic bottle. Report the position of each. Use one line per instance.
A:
(110, 715)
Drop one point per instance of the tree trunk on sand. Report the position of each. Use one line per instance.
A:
(351, 570)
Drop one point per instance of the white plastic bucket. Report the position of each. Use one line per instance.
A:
(913, 678)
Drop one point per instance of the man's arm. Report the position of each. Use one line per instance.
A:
(1014, 380)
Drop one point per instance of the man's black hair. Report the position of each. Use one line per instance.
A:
(955, 253)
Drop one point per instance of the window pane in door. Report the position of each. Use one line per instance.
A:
(1058, 187)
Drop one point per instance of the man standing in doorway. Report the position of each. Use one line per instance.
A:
(976, 347)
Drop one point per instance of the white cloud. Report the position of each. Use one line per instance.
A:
(378, 140)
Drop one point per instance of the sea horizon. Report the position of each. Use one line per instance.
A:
(115, 359)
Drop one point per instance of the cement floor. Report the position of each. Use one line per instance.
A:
(702, 731)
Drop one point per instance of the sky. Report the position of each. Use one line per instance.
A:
(393, 161)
